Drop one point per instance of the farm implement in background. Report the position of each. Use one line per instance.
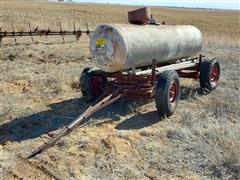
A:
(36, 32)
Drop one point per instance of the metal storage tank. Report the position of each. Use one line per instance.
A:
(119, 47)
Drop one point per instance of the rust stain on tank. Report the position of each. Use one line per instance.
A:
(119, 52)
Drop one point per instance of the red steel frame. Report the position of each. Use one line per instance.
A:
(132, 85)
(192, 72)
(120, 85)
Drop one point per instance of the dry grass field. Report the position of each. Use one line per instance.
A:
(128, 140)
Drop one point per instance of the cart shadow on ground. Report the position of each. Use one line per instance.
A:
(141, 120)
(63, 113)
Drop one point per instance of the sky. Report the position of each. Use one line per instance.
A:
(214, 4)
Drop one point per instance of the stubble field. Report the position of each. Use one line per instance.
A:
(39, 95)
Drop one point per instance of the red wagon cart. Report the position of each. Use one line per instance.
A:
(159, 82)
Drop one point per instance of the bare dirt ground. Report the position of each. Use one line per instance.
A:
(128, 140)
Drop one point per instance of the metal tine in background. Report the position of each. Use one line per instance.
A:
(61, 32)
(35, 29)
(30, 31)
(74, 31)
(88, 32)
(1, 35)
(79, 33)
(13, 33)
(48, 31)
(21, 33)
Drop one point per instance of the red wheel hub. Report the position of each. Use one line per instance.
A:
(173, 93)
(97, 85)
(214, 75)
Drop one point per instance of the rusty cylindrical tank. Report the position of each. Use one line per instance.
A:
(119, 47)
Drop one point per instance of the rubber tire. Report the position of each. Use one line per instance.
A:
(86, 86)
(162, 93)
(205, 74)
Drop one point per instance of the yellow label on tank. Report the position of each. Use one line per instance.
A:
(100, 42)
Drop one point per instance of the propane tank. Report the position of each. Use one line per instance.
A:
(119, 47)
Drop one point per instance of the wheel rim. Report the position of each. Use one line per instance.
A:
(97, 85)
(173, 93)
(214, 75)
